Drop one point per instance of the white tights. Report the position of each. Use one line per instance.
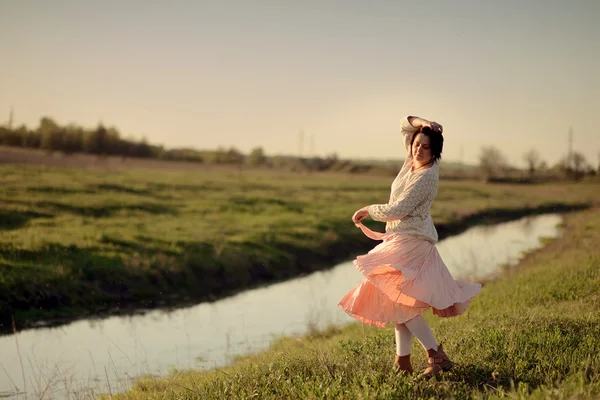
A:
(417, 327)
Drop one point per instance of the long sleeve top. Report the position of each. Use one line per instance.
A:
(409, 206)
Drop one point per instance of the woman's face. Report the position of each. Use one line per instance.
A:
(421, 149)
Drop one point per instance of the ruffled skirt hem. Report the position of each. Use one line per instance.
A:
(403, 277)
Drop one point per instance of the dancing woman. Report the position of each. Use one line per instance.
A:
(404, 275)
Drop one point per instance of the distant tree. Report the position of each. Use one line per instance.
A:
(210, 157)
(256, 157)
(533, 160)
(492, 162)
(113, 143)
(542, 166)
(576, 169)
(579, 164)
(72, 139)
(10, 138)
(29, 138)
(235, 157)
(143, 149)
(231, 156)
(328, 162)
(51, 134)
(95, 141)
(278, 162)
(47, 124)
(561, 169)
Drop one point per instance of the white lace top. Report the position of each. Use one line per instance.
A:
(408, 210)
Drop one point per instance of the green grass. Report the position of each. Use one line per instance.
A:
(76, 242)
(534, 333)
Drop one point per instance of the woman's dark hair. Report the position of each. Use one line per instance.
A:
(436, 142)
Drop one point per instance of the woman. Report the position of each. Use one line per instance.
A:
(404, 275)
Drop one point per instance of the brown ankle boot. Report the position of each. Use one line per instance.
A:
(402, 364)
(438, 361)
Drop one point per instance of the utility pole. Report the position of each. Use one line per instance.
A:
(301, 144)
(570, 153)
(311, 146)
(10, 118)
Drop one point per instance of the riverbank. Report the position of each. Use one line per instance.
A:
(532, 333)
(82, 243)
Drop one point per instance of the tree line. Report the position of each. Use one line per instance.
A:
(69, 139)
(108, 141)
(493, 166)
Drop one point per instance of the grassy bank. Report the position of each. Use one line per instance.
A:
(77, 242)
(533, 333)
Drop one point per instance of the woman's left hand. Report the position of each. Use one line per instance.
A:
(360, 215)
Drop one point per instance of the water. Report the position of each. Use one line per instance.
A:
(112, 351)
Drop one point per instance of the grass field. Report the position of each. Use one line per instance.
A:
(534, 333)
(79, 242)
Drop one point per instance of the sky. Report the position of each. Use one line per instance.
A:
(310, 77)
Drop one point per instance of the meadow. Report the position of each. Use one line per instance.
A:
(80, 242)
(533, 333)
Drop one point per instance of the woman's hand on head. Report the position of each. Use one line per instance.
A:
(360, 215)
(421, 122)
(436, 127)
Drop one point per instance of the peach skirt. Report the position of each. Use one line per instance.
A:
(403, 277)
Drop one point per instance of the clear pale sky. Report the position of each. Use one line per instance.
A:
(513, 74)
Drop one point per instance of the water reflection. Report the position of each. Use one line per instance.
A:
(96, 353)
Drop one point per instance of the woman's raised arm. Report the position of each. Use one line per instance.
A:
(410, 125)
(417, 122)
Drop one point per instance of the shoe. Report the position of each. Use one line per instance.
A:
(438, 361)
(402, 364)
